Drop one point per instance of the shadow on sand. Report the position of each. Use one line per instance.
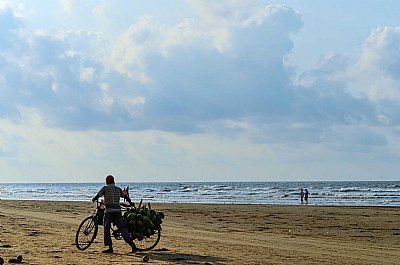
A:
(182, 258)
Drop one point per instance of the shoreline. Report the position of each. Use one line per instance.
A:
(43, 233)
(215, 203)
(384, 193)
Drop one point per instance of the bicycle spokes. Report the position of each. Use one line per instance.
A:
(86, 233)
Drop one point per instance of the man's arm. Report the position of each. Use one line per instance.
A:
(125, 195)
(99, 194)
(95, 198)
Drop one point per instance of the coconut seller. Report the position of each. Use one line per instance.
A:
(112, 214)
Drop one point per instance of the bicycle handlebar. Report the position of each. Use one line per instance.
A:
(123, 204)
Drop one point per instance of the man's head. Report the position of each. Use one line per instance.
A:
(110, 179)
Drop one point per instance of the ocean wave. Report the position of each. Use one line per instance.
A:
(321, 193)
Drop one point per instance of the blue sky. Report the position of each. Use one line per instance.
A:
(199, 90)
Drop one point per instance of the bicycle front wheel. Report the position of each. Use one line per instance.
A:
(149, 243)
(86, 233)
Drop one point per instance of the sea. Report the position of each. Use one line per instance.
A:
(328, 193)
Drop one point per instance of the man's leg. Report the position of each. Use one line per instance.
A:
(108, 218)
(124, 232)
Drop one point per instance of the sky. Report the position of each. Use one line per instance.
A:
(199, 90)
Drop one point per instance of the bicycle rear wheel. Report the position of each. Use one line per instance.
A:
(86, 233)
(149, 243)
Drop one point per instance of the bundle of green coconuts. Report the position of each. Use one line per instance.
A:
(142, 221)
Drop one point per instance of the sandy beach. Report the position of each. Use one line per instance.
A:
(43, 232)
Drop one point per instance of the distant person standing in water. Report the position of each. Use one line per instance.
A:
(306, 195)
(301, 196)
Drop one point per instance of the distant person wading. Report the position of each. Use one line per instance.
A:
(301, 196)
(306, 195)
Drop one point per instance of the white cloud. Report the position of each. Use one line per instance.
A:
(175, 77)
(376, 74)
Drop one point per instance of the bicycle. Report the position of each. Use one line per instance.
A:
(88, 229)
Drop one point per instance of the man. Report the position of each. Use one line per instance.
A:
(306, 193)
(301, 196)
(112, 214)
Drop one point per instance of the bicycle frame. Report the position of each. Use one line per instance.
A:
(88, 229)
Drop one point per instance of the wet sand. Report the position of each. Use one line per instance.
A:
(43, 232)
